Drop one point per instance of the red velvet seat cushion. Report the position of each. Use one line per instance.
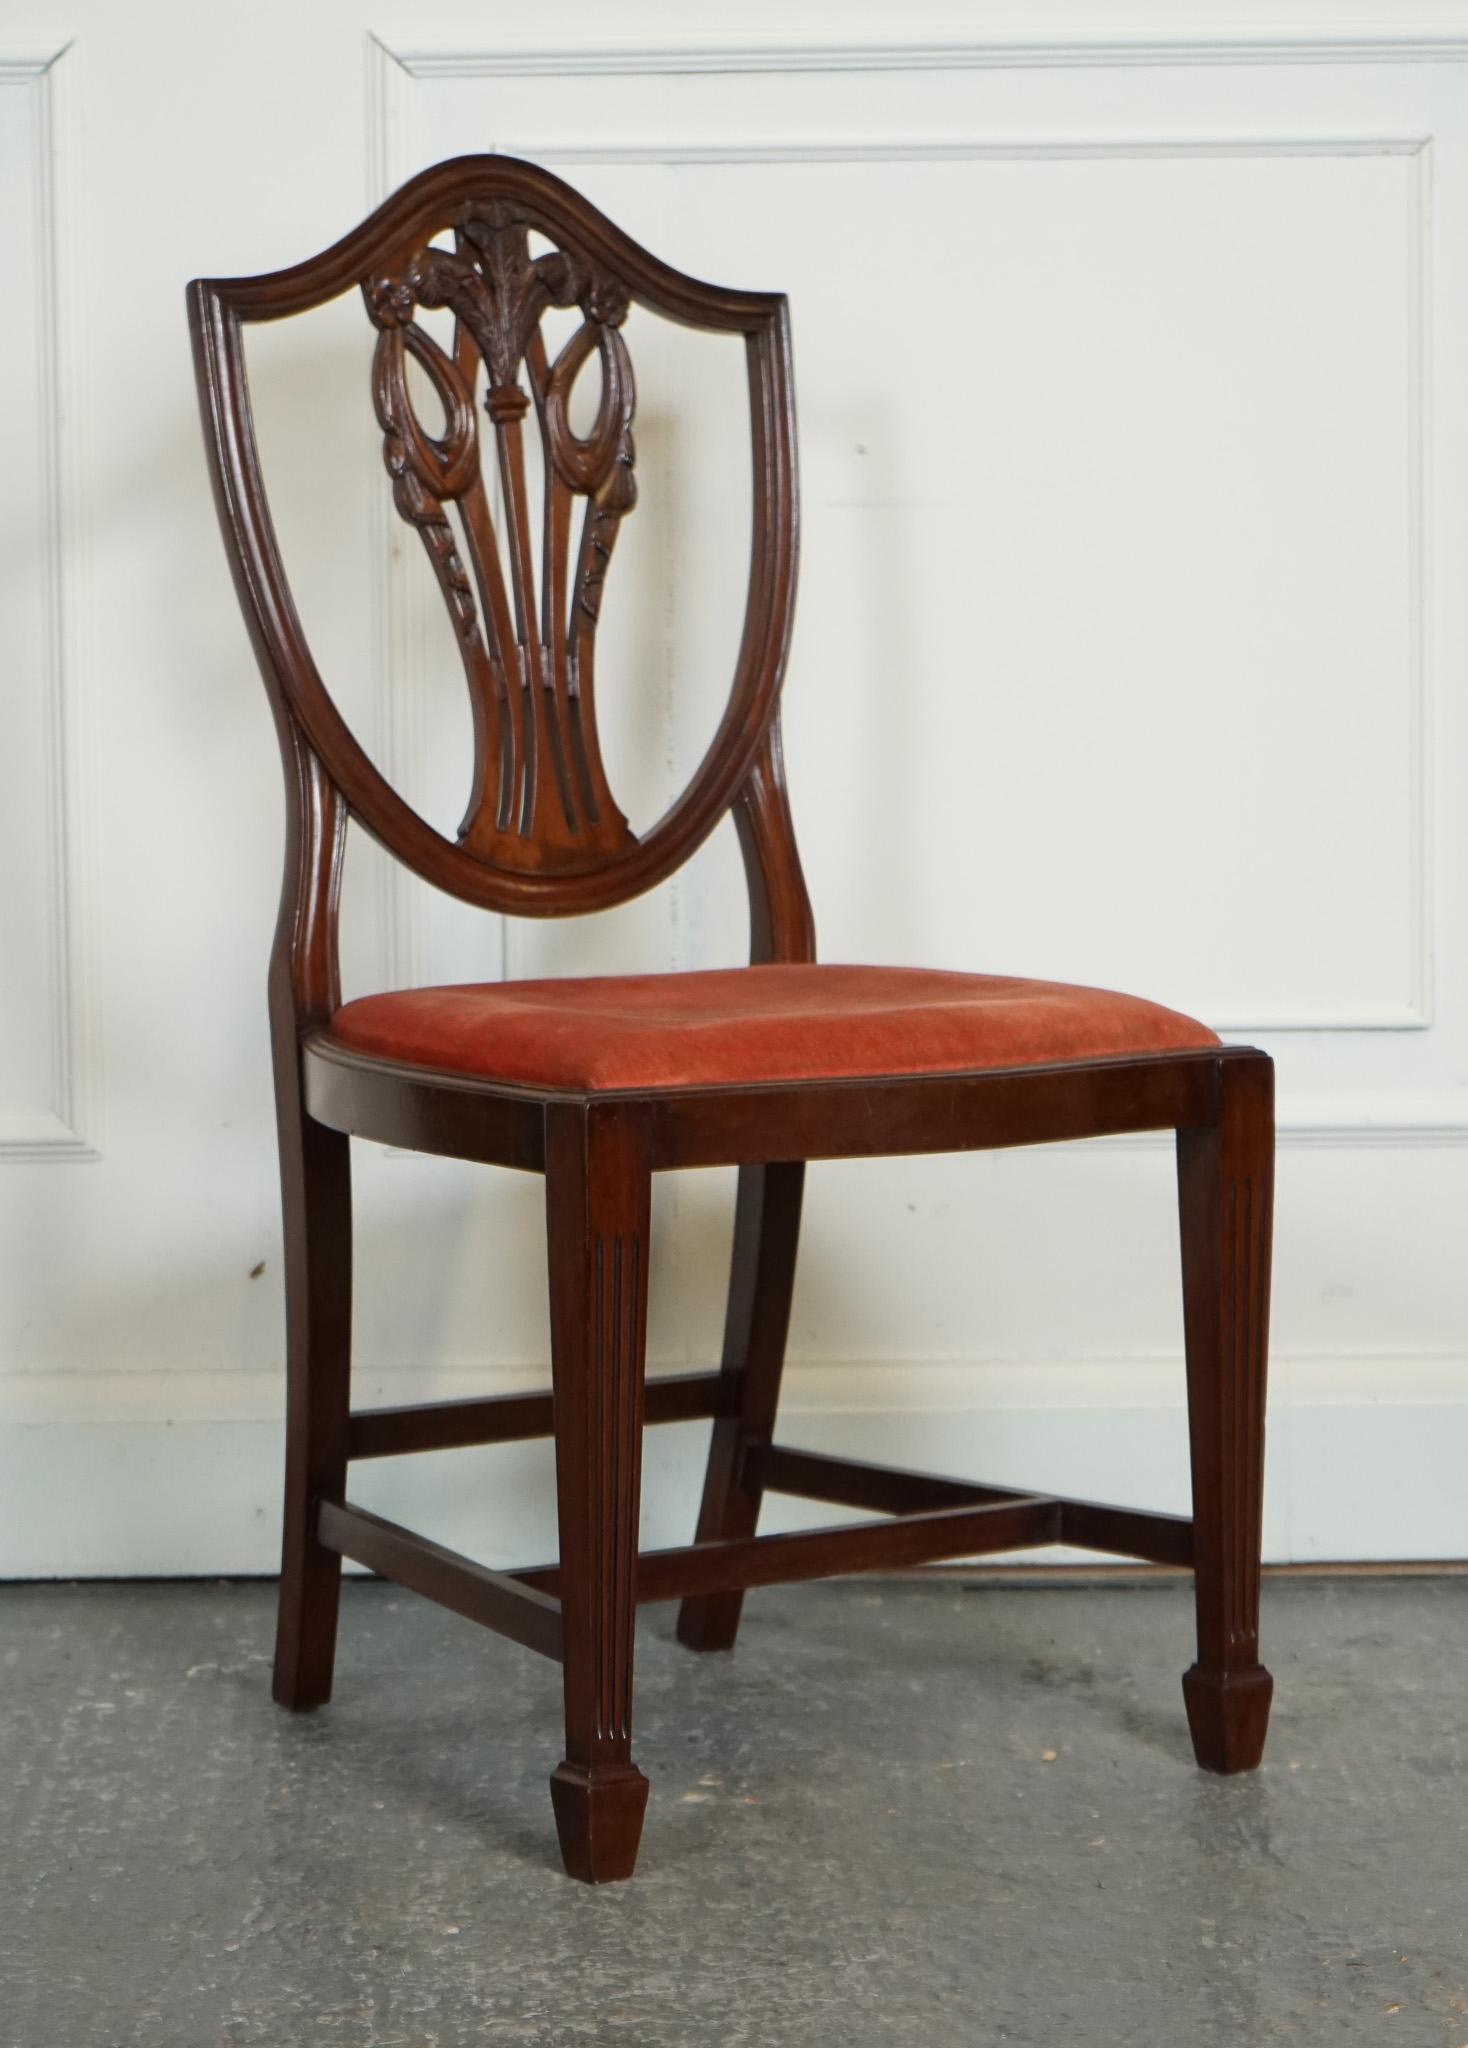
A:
(743, 1024)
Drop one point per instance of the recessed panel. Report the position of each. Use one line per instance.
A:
(33, 907)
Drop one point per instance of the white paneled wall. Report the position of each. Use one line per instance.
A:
(1132, 648)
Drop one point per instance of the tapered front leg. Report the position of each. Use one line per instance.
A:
(597, 1198)
(317, 1202)
(1226, 1186)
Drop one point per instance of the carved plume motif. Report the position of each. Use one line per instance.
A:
(540, 797)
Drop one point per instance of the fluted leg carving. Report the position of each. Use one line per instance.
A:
(1225, 1183)
(597, 1196)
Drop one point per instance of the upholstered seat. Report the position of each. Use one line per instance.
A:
(770, 1023)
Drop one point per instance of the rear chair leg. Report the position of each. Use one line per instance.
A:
(316, 1189)
(1225, 1187)
(597, 1200)
(762, 1280)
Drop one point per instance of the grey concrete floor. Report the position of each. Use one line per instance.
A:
(898, 1813)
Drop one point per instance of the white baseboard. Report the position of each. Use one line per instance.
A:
(120, 1475)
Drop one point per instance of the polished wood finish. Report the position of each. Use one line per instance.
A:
(1225, 1188)
(542, 835)
(502, 1125)
(880, 1489)
(392, 250)
(766, 1232)
(517, 1418)
(540, 798)
(979, 1527)
(316, 1200)
(1127, 1532)
(598, 1196)
(734, 1563)
(498, 1600)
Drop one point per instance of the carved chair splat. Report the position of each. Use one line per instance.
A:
(598, 1084)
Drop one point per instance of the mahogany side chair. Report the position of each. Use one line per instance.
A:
(597, 1084)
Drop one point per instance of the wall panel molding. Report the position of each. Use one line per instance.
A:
(1058, 44)
(1377, 1120)
(64, 1128)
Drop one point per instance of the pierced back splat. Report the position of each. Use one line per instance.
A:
(542, 835)
(539, 800)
